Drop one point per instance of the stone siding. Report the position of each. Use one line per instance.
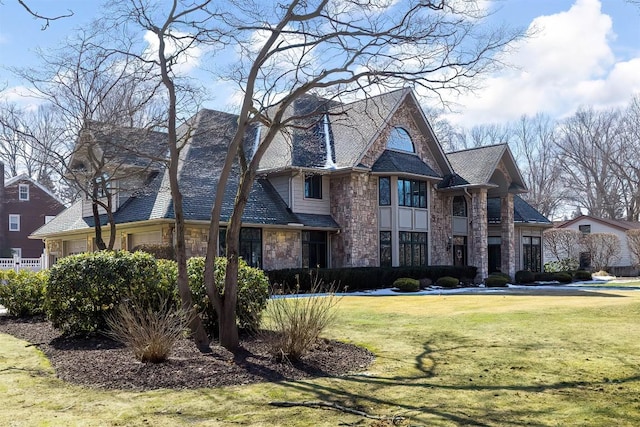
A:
(440, 232)
(195, 240)
(479, 244)
(281, 249)
(507, 247)
(354, 204)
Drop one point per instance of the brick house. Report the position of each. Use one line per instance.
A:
(359, 184)
(26, 206)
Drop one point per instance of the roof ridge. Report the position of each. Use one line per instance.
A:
(478, 148)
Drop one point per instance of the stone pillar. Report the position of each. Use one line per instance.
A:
(507, 248)
(479, 231)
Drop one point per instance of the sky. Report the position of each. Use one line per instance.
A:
(583, 53)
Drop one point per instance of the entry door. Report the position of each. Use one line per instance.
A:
(495, 258)
(459, 251)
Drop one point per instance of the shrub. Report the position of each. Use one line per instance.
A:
(297, 320)
(496, 281)
(22, 293)
(83, 288)
(566, 264)
(150, 332)
(541, 276)
(563, 277)
(253, 293)
(364, 278)
(582, 275)
(525, 276)
(448, 282)
(501, 274)
(159, 251)
(406, 284)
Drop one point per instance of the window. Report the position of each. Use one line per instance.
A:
(17, 252)
(384, 190)
(585, 229)
(23, 192)
(531, 253)
(251, 246)
(313, 187)
(399, 139)
(413, 249)
(101, 186)
(412, 193)
(314, 249)
(14, 222)
(459, 207)
(385, 249)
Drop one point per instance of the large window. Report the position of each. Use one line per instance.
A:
(399, 139)
(531, 253)
(459, 206)
(314, 249)
(23, 192)
(412, 193)
(585, 229)
(385, 249)
(313, 186)
(14, 222)
(413, 249)
(384, 191)
(250, 245)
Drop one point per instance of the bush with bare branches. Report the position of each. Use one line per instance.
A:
(296, 320)
(604, 249)
(150, 332)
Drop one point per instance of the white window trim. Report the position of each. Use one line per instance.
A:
(14, 219)
(17, 252)
(20, 188)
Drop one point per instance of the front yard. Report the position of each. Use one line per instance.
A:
(489, 360)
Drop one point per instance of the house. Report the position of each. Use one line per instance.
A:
(26, 206)
(587, 224)
(359, 184)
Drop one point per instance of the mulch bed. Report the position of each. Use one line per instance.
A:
(98, 361)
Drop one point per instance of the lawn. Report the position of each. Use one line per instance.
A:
(488, 360)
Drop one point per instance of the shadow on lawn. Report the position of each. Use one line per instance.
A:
(343, 392)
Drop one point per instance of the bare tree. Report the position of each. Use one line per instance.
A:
(562, 243)
(626, 165)
(604, 249)
(587, 145)
(533, 141)
(47, 19)
(336, 50)
(89, 92)
(633, 241)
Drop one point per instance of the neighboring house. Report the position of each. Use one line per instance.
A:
(587, 224)
(360, 184)
(26, 206)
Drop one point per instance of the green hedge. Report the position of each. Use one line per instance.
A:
(83, 288)
(448, 282)
(365, 278)
(497, 281)
(582, 275)
(406, 284)
(22, 293)
(253, 293)
(525, 276)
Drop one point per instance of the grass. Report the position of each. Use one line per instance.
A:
(488, 360)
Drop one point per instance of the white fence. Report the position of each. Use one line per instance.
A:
(18, 263)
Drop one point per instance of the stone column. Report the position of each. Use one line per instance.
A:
(479, 230)
(507, 248)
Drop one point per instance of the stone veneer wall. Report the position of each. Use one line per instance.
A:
(354, 204)
(508, 254)
(441, 223)
(479, 244)
(402, 118)
(281, 249)
(195, 240)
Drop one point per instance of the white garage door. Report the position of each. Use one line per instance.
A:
(149, 238)
(72, 247)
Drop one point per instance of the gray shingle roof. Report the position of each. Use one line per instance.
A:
(523, 212)
(475, 165)
(395, 161)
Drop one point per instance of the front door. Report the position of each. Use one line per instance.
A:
(495, 258)
(459, 251)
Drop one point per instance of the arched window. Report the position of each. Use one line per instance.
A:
(399, 139)
(459, 206)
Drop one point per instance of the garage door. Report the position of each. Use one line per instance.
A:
(72, 247)
(149, 238)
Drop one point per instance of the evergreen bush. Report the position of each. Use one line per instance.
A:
(83, 288)
(406, 284)
(525, 277)
(582, 275)
(253, 293)
(448, 282)
(22, 293)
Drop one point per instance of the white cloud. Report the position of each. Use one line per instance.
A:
(22, 97)
(567, 62)
(188, 61)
